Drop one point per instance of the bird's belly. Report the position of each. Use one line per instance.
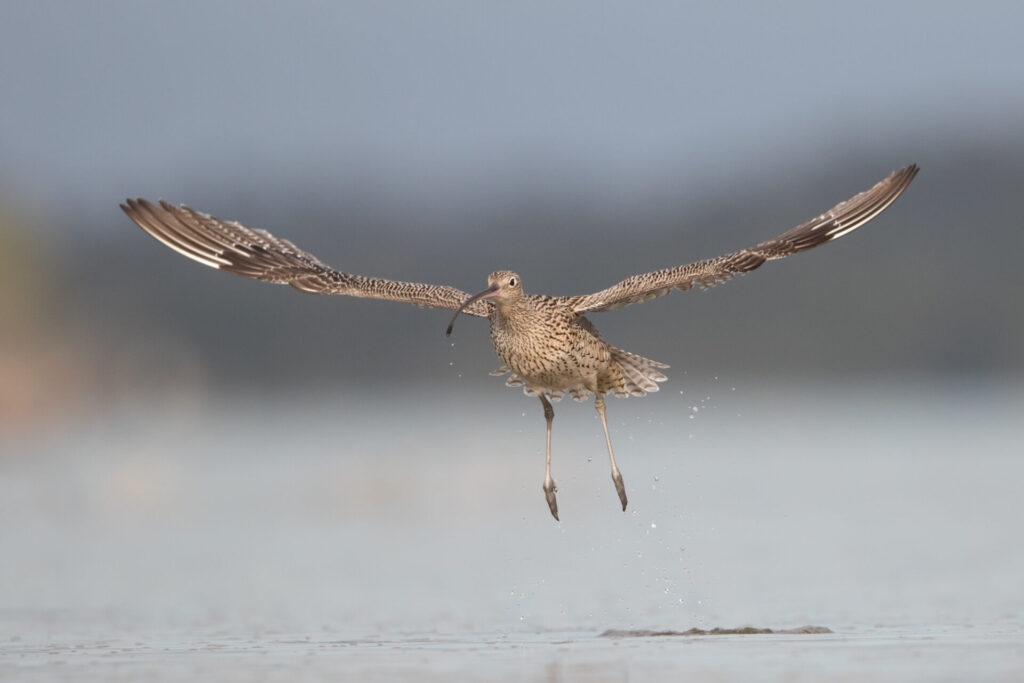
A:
(555, 367)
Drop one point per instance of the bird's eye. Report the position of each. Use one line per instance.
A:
(511, 282)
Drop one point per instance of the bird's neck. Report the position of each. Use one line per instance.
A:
(510, 315)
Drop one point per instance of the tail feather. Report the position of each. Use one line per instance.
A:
(629, 374)
(514, 380)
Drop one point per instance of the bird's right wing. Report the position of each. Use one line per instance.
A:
(838, 221)
(232, 247)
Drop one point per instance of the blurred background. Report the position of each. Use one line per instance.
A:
(438, 142)
(576, 143)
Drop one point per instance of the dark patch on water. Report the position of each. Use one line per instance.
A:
(742, 631)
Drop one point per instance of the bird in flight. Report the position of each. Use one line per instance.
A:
(546, 343)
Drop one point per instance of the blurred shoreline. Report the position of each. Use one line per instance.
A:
(92, 321)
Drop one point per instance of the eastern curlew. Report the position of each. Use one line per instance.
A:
(546, 343)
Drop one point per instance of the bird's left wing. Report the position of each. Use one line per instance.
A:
(840, 220)
(232, 247)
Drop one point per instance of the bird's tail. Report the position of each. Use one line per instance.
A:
(627, 375)
(630, 375)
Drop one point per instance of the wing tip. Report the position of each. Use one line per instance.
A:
(895, 184)
(147, 217)
(908, 173)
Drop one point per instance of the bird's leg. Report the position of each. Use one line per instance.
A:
(549, 483)
(616, 475)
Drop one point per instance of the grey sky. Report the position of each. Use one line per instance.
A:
(446, 99)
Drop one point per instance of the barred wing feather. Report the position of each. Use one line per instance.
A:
(256, 254)
(833, 224)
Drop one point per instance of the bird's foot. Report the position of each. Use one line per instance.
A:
(620, 488)
(549, 494)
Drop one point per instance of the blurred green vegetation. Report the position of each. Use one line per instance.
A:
(20, 258)
(34, 374)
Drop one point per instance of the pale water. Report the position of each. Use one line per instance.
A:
(391, 537)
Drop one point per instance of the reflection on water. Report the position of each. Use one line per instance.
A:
(397, 523)
(879, 654)
(717, 631)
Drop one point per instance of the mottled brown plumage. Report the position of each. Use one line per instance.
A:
(232, 247)
(545, 343)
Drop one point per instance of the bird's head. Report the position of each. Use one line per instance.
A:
(503, 286)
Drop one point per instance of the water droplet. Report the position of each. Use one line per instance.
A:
(653, 525)
(657, 478)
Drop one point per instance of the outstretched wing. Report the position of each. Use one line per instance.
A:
(232, 247)
(840, 220)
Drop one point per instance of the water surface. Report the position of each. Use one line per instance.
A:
(388, 537)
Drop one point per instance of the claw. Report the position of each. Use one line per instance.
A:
(620, 488)
(549, 494)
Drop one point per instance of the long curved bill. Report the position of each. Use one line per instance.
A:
(486, 294)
